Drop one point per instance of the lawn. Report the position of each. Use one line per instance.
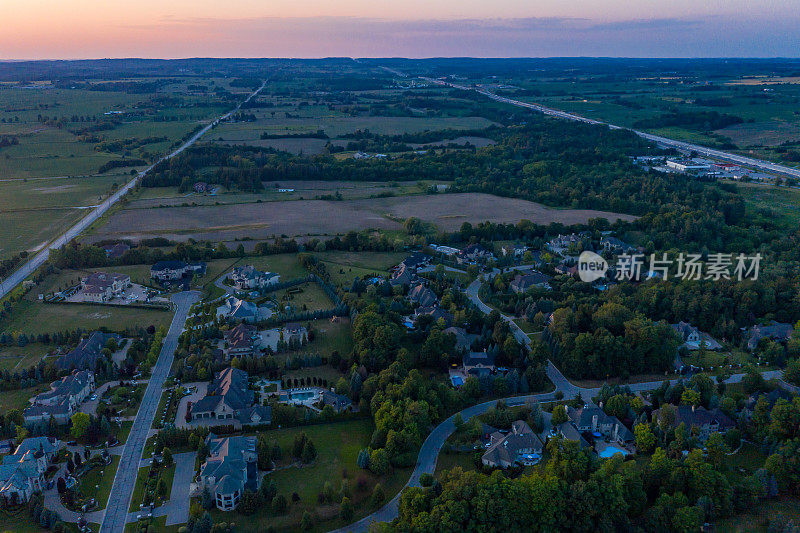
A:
(286, 265)
(38, 317)
(97, 482)
(338, 445)
(306, 297)
(14, 358)
(18, 521)
(138, 489)
(124, 431)
(780, 201)
(19, 399)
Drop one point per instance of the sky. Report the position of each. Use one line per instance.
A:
(72, 29)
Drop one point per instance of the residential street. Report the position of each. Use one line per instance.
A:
(121, 492)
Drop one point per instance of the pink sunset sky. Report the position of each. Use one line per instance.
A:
(41, 29)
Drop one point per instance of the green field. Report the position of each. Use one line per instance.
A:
(14, 358)
(97, 482)
(19, 398)
(305, 297)
(338, 445)
(780, 202)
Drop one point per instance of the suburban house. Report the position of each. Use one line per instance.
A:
(422, 295)
(706, 421)
(514, 250)
(101, 287)
(474, 253)
(518, 446)
(478, 363)
(248, 277)
(434, 312)
(241, 340)
(463, 339)
(231, 467)
(293, 331)
(23, 473)
(524, 282)
(415, 260)
(615, 245)
(693, 338)
(449, 251)
(570, 432)
(403, 275)
(61, 401)
(229, 397)
(595, 420)
(237, 309)
(86, 354)
(338, 402)
(778, 331)
(562, 243)
(115, 251)
(165, 271)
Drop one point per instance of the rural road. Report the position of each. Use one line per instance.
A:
(122, 490)
(429, 453)
(30, 266)
(702, 150)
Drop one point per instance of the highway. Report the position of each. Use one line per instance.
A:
(672, 143)
(27, 268)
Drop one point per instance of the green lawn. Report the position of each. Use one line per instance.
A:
(338, 445)
(38, 317)
(124, 431)
(15, 358)
(102, 477)
(286, 265)
(18, 521)
(18, 399)
(138, 489)
(306, 297)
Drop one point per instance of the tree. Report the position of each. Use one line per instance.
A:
(346, 509)
(167, 457)
(307, 522)
(559, 415)
(378, 496)
(717, 449)
(309, 452)
(645, 440)
(80, 425)
(379, 462)
(690, 397)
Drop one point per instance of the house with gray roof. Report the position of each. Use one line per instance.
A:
(236, 309)
(524, 282)
(23, 473)
(778, 331)
(229, 397)
(338, 402)
(86, 354)
(403, 275)
(231, 467)
(61, 401)
(519, 446)
(422, 295)
(478, 363)
(707, 421)
(464, 340)
(594, 419)
(614, 245)
(248, 277)
(693, 338)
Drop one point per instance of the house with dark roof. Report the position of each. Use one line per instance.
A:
(294, 332)
(61, 401)
(422, 295)
(247, 277)
(415, 260)
(101, 286)
(434, 312)
(478, 363)
(338, 402)
(474, 253)
(403, 275)
(229, 397)
(236, 309)
(615, 245)
(464, 340)
(706, 421)
(86, 354)
(524, 282)
(693, 338)
(172, 270)
(595, 420)
(514, 250)
(231, 467)
(777, 331)
(519, 446)
(23, 473)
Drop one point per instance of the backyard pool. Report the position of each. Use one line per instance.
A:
(302, 396)
(610, 450)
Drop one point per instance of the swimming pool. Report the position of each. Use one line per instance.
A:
(611, 450)
(301, 396)
(457, 381)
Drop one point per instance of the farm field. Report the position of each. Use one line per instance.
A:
(781, 201)
(326, 218)
(15, 358)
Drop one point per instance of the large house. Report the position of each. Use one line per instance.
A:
(101, 286)
(474, 253)
(519, 446)
(86, 354)
(415, 260)
(594, 419)
(237, 309)
(423, 296)
(693, 338)
(524, 282)
(61, 401)
(23, 473)
(248, 277)
(241, 340)
(777, 331)
(478, 363)
(295, 332)
(231, 467)
(706, 421)
(166, 271)
(229, 398)
(337, 402)
(464, 340)
(432, 311)
(615, 245)
(403, 275)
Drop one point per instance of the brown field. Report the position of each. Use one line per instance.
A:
(322, 218)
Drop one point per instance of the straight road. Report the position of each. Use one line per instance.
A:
(122, 490)
(27, 268)
(702, 150)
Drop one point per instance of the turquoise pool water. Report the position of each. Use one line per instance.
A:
(609, 451)
(302, 395)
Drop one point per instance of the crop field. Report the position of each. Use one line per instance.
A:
(325, 218)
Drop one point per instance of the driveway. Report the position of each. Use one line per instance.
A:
(200, 391)
(122, 490)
